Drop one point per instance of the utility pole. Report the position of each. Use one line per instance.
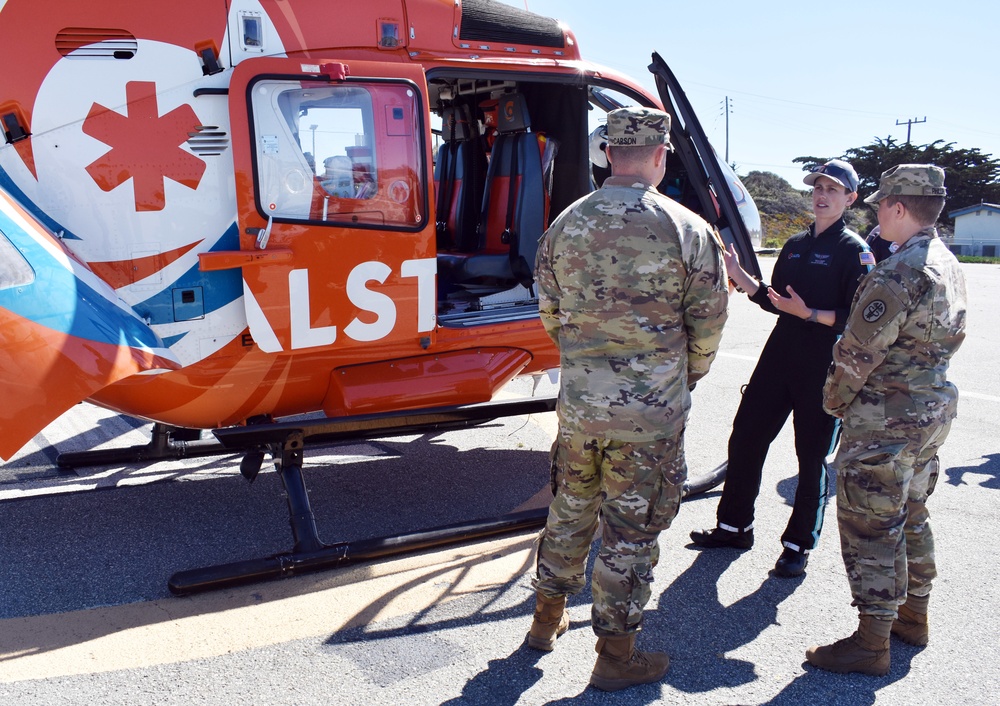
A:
(909, 123)
(728, 110)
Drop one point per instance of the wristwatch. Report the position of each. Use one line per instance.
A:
(813, 313)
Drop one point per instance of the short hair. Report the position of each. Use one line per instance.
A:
(627, 157)
(924, 209)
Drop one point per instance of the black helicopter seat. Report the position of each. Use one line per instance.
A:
(512, 216)
(459, 178)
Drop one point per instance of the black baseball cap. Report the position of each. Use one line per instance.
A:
(836, 169)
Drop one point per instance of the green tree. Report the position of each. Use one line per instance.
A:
(784, 211)
(971, 177)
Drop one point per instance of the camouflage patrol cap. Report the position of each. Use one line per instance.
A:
(636, 127)
(910, 180)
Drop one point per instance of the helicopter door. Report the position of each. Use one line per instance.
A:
(331, 187)
(716, 189)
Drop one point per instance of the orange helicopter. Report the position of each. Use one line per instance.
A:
(223, 213)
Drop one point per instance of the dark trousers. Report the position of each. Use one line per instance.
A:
(788, 378)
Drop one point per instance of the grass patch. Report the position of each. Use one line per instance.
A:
(980, 260)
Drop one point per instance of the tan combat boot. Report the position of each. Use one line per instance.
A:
(620, 665)
(551, 621)
(910, 625)
(866, 651)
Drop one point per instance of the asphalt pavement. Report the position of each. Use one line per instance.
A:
(85, 557)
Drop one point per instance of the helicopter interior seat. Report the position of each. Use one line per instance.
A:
(514, 205)
(459, 177)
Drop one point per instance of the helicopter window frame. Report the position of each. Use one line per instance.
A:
(276, 125)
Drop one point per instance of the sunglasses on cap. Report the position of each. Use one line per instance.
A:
(837, 174)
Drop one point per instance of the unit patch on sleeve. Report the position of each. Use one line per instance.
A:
(873, 311)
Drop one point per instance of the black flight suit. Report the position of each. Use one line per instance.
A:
(825, 271)
(880, 248)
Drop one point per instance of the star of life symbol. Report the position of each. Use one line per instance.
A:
(146, 147)
(873, 312)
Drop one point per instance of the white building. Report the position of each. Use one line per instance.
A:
(977, 230)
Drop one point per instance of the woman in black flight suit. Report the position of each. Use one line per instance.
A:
(814, 280)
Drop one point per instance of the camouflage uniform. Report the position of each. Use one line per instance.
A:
(888, 382)
(632, 289)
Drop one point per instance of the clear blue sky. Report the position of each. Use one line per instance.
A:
(808, 78)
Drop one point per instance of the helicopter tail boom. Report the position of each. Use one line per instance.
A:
(64, 333)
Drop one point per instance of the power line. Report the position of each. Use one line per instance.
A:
(785, 100)
(991, 133)
(964, 128)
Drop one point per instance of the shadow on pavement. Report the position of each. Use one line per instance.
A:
(956, 476)
(504, 681)
(819, 687)
(700, 630)
(118, 548)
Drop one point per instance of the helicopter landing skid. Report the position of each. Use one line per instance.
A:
(167, 443)
(286, 442)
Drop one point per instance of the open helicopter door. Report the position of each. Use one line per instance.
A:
(331, 185)
(724, 194)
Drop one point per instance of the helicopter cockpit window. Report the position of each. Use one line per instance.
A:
(344, 154)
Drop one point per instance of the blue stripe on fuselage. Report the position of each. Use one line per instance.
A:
(218, 288)
(57, 299)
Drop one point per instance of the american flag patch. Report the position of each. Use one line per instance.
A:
(868, 258)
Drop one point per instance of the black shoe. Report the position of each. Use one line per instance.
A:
(791, 563)
(718, 537)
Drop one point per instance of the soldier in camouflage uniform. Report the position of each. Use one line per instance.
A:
(632, 289)
(888, 384)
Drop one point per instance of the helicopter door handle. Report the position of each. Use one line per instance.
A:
(263, 234)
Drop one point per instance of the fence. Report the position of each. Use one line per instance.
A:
(973, 247)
